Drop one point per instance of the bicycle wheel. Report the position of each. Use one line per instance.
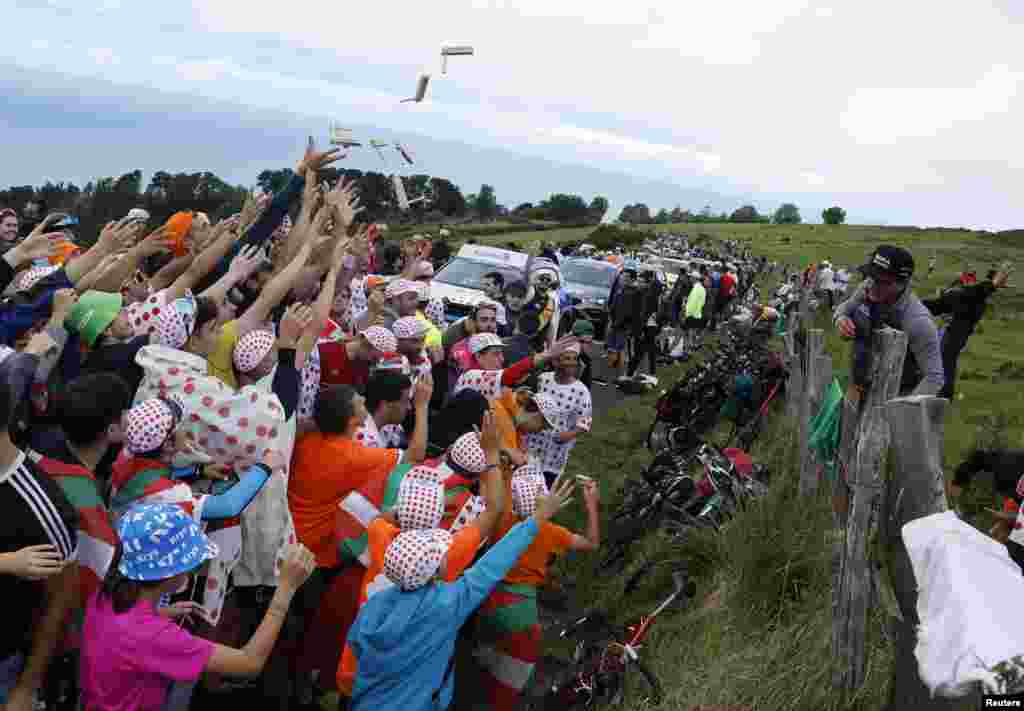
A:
(640, 685)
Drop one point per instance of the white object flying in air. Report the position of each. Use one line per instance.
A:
(421, 89)
(453, 51)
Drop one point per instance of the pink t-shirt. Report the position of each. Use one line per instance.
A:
(129, 660)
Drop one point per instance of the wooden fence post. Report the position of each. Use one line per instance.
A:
(849, 626)
(815, 348)
(915, 489)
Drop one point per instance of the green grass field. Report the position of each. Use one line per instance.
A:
(758, 633)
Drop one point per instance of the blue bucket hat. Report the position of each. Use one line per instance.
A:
(160, 541)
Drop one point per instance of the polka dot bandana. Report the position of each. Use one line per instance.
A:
(160, 541)
(176, 322)
(481, 341)
(394, 363)
(398, 287)
(380, 338)
(420, 504)
(526, 491)
(251, 349)
(467, 454)
(148, 425)
(29, 278)
(412, 559)
(408, 327)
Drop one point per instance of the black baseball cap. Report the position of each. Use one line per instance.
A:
(891, 260)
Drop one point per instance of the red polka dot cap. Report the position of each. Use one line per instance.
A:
(175, 323)
(148, 425)
(408, 327)
(251, 349)
(467, 454)
(380, 338)
(526, 491)
(413, 558)
(420, 505)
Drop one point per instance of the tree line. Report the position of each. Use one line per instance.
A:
(786, 214)
(110, 198)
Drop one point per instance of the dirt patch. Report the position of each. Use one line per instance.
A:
(714, 600)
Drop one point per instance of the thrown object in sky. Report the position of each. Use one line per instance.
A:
(404, 152)
(421, 89)
(453, 51)
(342, 136)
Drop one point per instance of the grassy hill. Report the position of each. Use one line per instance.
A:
(758, 633)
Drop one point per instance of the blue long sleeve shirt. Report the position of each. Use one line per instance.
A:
(404, 640)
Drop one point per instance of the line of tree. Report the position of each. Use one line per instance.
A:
(110, 198)
(786, 214)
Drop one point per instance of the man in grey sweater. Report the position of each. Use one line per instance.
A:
(885, 299)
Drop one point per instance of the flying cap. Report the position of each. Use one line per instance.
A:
(891, 260)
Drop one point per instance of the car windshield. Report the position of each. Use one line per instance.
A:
(469, 274)
(589, 274)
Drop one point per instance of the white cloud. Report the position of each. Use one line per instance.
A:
(103, 55)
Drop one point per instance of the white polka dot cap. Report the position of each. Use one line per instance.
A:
(467, 454)
(481, 341)
(526, 491)
(408, 327)
(398, 287)
(380, 338)
(251, 349)
(148, 425)
(412, 559)
(420, 504)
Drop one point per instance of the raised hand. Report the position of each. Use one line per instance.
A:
(38, 245)
(298, 565)
(296, 319)
(424, 390)
(490, 438)
(344, 200)
(548, 506)
(246, 262)
(316, 160)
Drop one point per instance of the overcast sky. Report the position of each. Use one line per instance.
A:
(902, 112)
